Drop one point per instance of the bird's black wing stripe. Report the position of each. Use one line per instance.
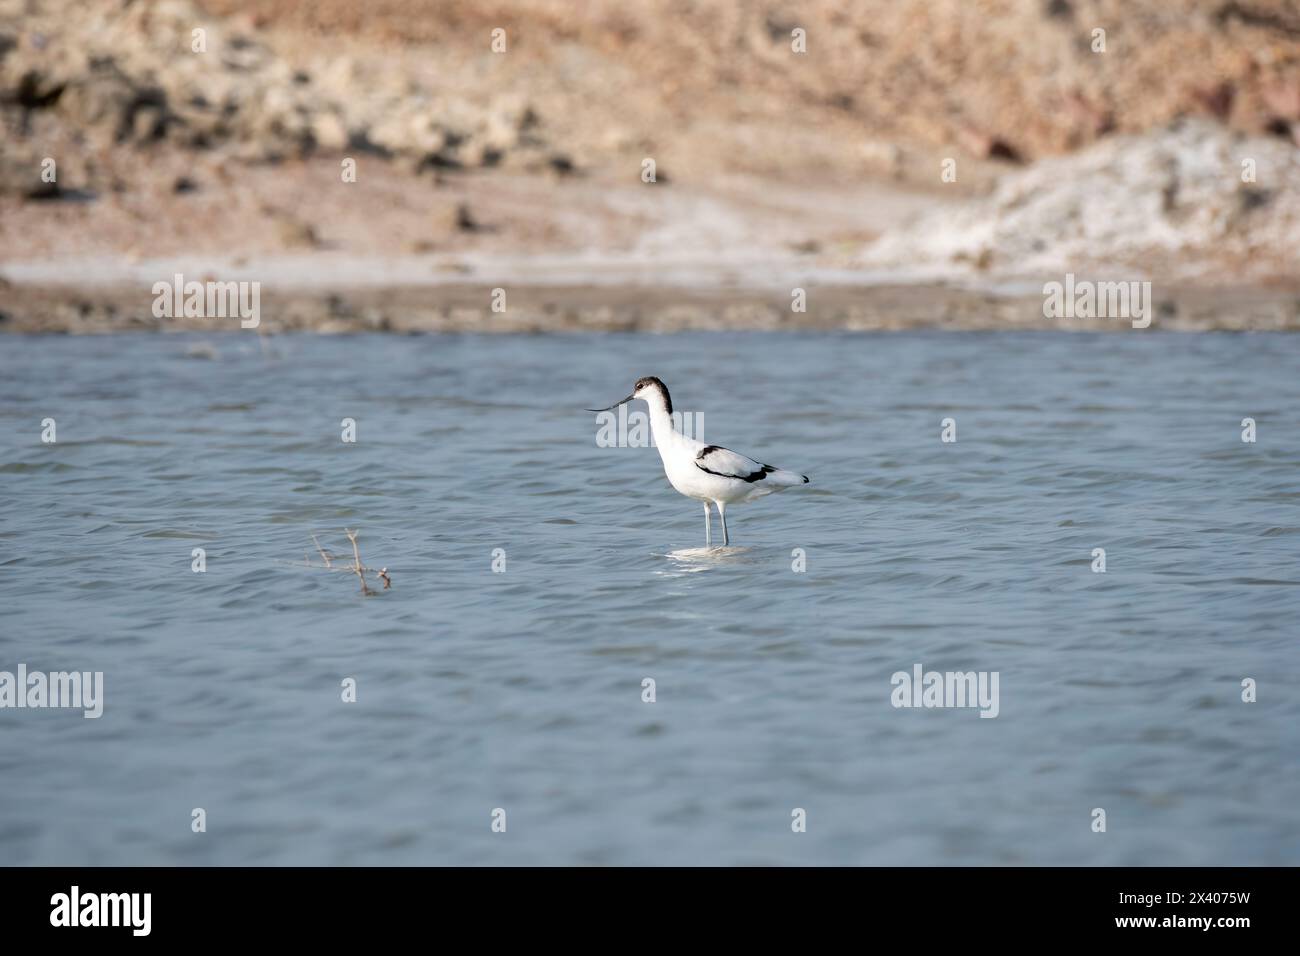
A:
(751, 477)
(756, 476)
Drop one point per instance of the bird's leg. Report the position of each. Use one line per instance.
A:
(722, 513)
(707, 522)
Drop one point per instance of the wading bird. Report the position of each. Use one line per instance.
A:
(707, 473)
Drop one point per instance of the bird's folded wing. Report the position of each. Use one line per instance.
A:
(728, 464)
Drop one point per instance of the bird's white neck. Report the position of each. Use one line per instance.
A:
(661, 423)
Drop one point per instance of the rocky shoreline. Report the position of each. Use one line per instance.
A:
(388, 171)
(36, 309)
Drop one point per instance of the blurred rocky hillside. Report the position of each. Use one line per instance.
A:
(1011, 78)
(214, 130)
(706, 87)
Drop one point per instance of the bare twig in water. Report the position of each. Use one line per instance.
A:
(356, 557)
(356, 567)
(323, 553)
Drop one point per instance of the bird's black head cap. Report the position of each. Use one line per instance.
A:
(651, 382)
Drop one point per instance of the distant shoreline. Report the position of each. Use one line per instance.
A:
(442, 306)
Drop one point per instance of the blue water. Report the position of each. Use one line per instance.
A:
(522, 690)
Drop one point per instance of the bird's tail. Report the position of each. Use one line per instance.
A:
(778, 476)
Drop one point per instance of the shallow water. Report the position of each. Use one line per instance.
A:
(522, 690)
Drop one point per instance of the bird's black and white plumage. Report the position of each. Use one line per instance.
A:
(725, 463)
(708, 473)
